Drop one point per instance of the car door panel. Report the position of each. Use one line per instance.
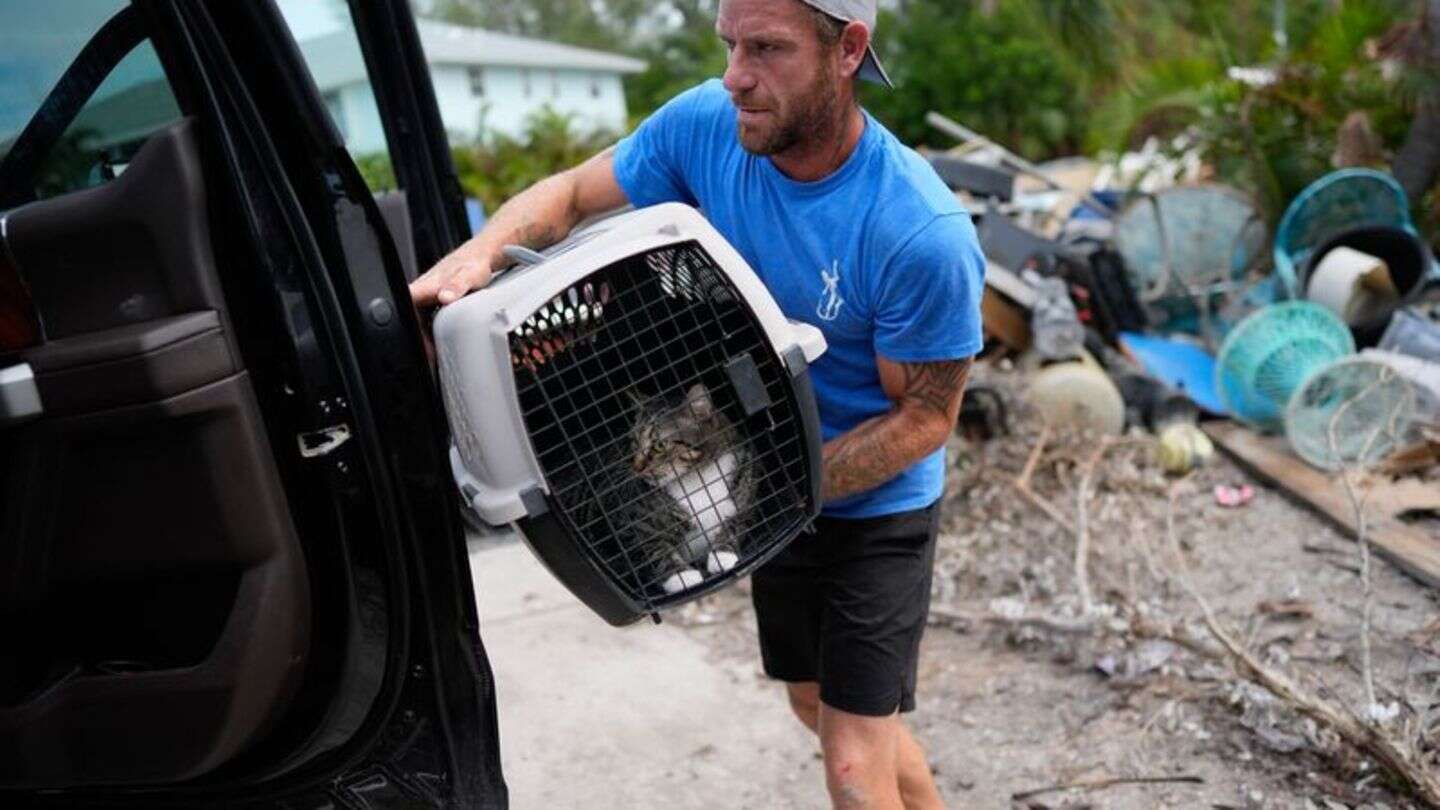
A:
(154, 571)
(131, 364)
(131, 250)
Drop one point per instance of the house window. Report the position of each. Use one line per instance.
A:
(594, 85)
(477, 81)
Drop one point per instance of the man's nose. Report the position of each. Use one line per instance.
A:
(738, 76)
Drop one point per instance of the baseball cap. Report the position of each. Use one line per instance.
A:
(857, 11)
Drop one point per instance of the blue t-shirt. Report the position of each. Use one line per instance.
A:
(879, 255)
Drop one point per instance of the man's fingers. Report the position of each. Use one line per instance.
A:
(466, 277)
(424, 289)
(448, 281)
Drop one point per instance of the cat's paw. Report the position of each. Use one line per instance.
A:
(682, 579)
(718, 562)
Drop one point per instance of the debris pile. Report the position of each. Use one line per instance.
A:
(1131, 332)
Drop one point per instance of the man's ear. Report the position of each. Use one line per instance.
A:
(854, 42)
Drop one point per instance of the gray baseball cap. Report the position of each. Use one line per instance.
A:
(857, 11)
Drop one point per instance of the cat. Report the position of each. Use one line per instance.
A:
(667, 499)
(700, 475)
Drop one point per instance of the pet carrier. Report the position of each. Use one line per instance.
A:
(1267, 355)
(637, 404)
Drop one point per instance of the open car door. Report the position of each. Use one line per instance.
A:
(231, 567)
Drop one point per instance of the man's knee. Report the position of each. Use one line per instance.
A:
(855, 746)
(805, 702)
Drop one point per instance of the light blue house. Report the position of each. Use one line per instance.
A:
(485, 82)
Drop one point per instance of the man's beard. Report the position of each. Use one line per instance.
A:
(813, 120)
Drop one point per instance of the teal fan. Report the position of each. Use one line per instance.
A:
(1269, 353)
(1355, 411)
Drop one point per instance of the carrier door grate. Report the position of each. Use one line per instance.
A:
(673, 472)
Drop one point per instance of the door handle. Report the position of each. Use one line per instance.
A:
(19, 398)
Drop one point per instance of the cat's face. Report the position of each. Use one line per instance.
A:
(669, 442)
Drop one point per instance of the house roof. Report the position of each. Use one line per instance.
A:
(334, 61)
(458, 44)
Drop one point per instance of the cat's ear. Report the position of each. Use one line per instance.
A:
(698, 399)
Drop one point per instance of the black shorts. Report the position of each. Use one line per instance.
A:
(846, 606)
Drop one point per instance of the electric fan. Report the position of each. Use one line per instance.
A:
(1186, 244)
(1355, 411)
(1269, 353)
(636, 403)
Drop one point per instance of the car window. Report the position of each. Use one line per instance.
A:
(38, 41)
(331, 49)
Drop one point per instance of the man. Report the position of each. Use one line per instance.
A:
(854, 233)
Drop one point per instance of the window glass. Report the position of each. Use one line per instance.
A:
(38, 41)
(326, 35)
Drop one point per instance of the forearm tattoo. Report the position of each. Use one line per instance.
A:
(879, 449)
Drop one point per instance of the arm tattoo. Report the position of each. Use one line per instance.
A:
(936, 386)
(879, 449)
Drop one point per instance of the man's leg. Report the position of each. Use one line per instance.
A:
(805, 703)
(912, 769)
(917, 783)
(860, 760)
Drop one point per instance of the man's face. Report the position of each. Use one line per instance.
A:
(782, 80)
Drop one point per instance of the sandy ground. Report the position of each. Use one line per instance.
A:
(678, 716)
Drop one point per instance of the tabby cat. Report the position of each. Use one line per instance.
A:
(676, 493)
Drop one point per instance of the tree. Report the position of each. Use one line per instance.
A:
(1417, 165)
(993, 71)
(682, 55)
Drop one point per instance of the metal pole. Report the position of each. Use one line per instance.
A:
(963, 133)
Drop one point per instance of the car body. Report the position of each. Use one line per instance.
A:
(232, 567)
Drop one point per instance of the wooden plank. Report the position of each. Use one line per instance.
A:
(1409, 548)
(1005, 321)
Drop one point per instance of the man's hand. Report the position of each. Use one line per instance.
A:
(536, 218)
(468, 268)
(926, 399)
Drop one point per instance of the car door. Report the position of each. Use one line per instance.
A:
(231, 570)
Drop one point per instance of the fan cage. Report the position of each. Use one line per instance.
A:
(650, 327)
(1353, 412)
(1340, 201)
(1270, 353)
(1189, 240)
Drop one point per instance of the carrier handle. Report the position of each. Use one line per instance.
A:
(522, 255)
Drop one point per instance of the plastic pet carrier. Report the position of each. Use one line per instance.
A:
(635, 402)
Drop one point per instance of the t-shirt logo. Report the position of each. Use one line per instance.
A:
(830, 300)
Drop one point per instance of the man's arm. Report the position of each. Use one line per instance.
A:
(926, 403)
(536, 218)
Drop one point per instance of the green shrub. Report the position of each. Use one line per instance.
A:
(499, 167)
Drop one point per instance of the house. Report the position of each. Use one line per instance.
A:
(485, 82)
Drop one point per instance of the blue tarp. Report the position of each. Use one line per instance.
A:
(1180, 365)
